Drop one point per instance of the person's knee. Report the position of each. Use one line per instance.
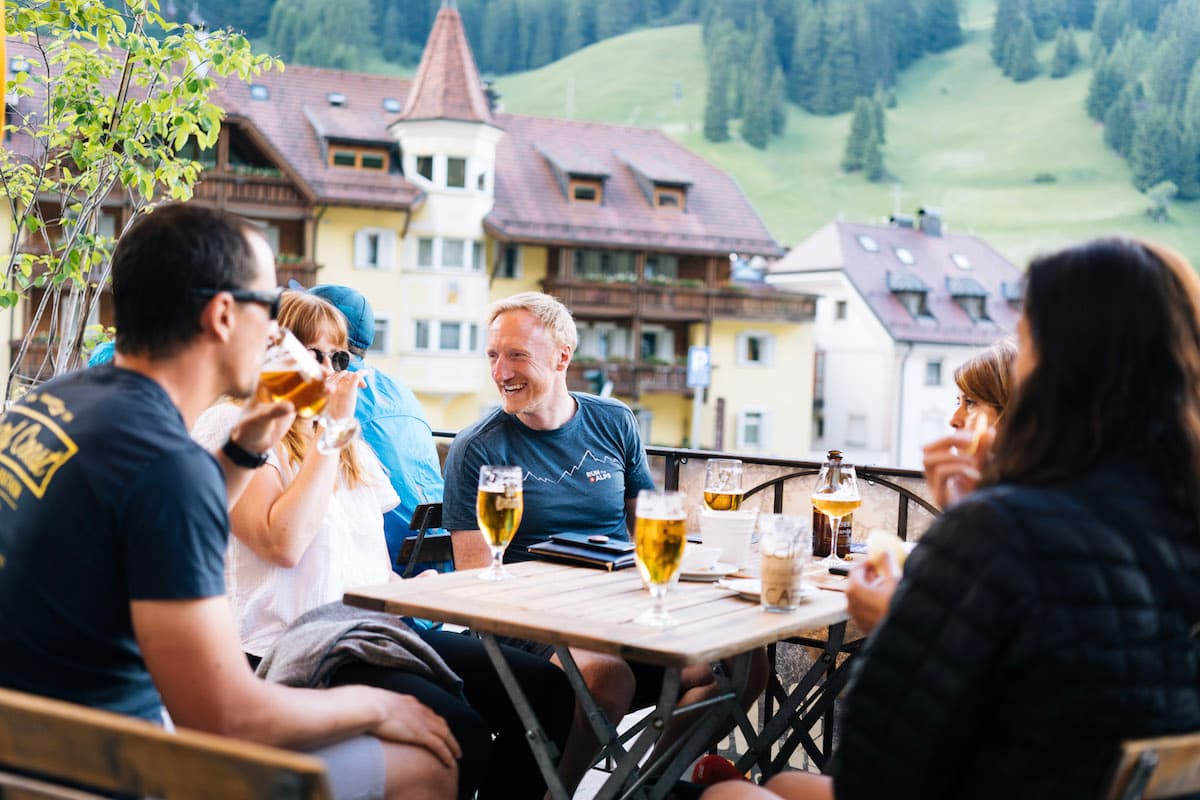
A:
(611, 683)
(414, 773)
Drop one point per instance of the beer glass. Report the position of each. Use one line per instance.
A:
(498, 508)
(723, 484)
(659, 536)
(835, 496)
(290, 372)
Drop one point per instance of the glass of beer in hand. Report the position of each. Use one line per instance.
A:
(723, 484)
(498, 508)
(659, 535)
(291, 373)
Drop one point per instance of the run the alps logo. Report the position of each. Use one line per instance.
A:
(597, 475)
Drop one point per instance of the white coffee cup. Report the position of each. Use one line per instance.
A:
(729, 531)
(699, 557)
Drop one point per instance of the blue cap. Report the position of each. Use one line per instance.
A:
(102, 354)
(360, 319)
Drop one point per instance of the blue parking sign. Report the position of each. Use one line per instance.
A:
(699, 367)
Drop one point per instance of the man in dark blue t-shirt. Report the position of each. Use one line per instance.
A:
(113, 522)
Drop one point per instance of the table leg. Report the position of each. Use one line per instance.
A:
(544, 751)
(813, 697)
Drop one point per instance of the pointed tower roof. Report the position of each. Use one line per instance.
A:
(447, 85)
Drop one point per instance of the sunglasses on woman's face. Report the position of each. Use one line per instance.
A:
(338, 359)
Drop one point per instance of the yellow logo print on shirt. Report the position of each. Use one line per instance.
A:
(32, 448)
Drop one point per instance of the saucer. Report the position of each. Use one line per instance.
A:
(715, 572)
(751, 588)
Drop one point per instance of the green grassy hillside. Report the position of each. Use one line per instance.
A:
(961, 137)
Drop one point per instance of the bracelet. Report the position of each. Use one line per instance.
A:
(242, 457)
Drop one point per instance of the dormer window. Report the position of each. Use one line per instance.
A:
(456, 173)
(668, 197)
(1011, 292)
(911, 291)
(371, 159)
(970, 296)
(586, 190)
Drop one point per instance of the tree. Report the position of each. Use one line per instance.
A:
(873, 160)
(1154, 150)
(756, 114)
(879, 102)
(1021, 63)
(104, 121)
(716, 106)
(1107, 82)
(940, 25)
(808, 53)
(1081, 12)
(1119, 123)
(838, 79)
(614, 17)
(1110, 19)
(322, 34)
(862, 128)
(1047, 17)
(778, 103)
(1160, 195)
(1066, 54)
(1007, 22)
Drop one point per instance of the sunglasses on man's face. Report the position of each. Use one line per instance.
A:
(338, 359)
(269, 298)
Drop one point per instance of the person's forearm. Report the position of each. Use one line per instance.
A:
(236, 478)
(295, 517)
(470, 550)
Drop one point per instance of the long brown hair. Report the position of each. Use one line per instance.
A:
(1115, 325)
(309, 317)
(987, 378)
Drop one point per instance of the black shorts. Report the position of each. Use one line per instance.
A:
(647, 677)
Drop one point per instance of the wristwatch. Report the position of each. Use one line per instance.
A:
(241, 456)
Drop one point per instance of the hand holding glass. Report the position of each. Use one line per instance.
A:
(659, 536)
(498, 508)
(835, 496)
(290, 372)
(723, 484)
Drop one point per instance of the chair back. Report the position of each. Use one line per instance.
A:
(436, 547)
(1166, 766)
(49, 748)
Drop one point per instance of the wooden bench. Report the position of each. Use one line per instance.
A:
(49, 748)
(1167, 766)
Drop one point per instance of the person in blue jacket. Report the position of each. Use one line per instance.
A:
(393, 423)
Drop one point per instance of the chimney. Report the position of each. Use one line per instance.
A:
(493, 96)
(930, 221)
(901, 220)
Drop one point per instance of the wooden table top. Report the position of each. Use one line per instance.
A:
(593, 609)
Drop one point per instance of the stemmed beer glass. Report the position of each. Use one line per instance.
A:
(835, 496)
(290, 372)
(498, 508)
(659, 535)
(723, 484)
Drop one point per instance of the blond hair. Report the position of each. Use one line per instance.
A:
(547, 310)
(308, 317)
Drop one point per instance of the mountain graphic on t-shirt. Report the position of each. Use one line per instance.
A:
(603, 461)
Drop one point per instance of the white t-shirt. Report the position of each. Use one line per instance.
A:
(349, 550)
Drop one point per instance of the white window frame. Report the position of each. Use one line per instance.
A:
(478, 255)
(464, 261)
(766, 350)
(385, 253)
(929, 364)
(764, 428)
(432, 265)
(381, 345)
(841, 310)
(468, 331)
(466, 174)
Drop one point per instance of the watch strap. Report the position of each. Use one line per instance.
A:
(241, 456)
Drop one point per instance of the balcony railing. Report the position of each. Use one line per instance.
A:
(631, 380)
(597, 299)
(35, 367)
(223, 188)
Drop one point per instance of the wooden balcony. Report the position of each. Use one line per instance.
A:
(229, 188)
(303, 271)
(631, 380)
(35, 366)
(601, 300)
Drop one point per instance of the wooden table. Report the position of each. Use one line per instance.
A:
(592, 609)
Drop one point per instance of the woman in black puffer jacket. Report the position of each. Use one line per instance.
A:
(1054, 611)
